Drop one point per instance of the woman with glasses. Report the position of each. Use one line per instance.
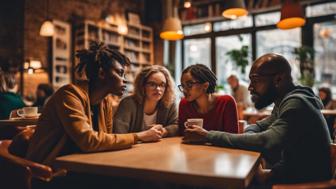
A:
(151, 105)
(198, 84)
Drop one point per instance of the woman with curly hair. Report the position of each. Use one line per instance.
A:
(151, 106)
(78, 117)
(219, 112)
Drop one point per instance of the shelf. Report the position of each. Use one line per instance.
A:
(136, 45)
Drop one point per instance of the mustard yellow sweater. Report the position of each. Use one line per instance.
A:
(65, 127)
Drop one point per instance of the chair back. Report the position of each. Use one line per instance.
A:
(15, 171)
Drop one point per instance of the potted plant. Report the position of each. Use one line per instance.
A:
(240, 56)
(306, 55)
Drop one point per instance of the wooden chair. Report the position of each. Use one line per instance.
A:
(315, 185)
(17, 172)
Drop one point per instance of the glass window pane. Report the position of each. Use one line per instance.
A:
(242, 22)
(325, 52)
(197, 29)
(321, 9)
(282, 42)
(267, 19)
(225, 66)
(197, 51)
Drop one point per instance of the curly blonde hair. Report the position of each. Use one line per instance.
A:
(141, 79)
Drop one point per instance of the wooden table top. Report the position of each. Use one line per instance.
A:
(170, 160)
(18, 122)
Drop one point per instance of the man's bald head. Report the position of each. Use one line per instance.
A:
(271, 63)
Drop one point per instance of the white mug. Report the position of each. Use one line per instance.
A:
(27, 112)
(194, 121)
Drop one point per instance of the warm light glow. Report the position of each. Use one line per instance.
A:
(207, 27)
(35, 64)
(26, 65)
(172, 29)
(172, 35)
(234, 13)
(30, 71)
(187, 4)
(290, 23)
(122, 29)
(47, 29)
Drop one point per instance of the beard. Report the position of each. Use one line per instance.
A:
(263, 100)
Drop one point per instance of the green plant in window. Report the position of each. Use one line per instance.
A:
(239, 56)
(306, 55)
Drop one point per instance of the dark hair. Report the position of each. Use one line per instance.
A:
(328, 98)
(96, 57)
(202, 74)
(46, 88)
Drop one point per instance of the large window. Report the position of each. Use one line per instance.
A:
(258, 31)
(282, 42)
(197, 51)
(225, 66)
(325, 52)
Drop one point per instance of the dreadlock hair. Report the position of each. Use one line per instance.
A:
(98, 56)
(202, 74)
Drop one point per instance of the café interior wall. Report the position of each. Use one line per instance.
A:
(38, 47)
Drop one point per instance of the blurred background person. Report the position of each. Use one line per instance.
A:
(43, 92)
(326, 96)
(9, 99)
(240, 94)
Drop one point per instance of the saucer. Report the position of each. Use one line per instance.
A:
(30, 116)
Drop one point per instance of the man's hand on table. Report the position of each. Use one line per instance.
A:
(195, 135)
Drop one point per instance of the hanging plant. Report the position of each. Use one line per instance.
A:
(306, 55)
(239, 56)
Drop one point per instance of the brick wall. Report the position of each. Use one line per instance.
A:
(36, 46)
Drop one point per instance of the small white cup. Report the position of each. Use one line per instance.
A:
(194, 121)
(27, 112)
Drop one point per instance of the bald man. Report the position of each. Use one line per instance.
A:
(296, 126)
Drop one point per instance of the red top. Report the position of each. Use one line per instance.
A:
(223, 117)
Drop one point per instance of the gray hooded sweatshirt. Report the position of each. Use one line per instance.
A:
(297, 129)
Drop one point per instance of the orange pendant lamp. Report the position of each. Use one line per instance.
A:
(291, 15)
(234, 9)
(172, 27)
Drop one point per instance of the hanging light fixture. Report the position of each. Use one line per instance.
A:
(234, 9)
(47, 28)
(172, 27)
(187, 4)
(291, 15)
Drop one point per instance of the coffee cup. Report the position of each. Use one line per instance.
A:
(194, 121)
(241, 126)
(27, 112)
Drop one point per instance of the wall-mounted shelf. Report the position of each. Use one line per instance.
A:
(137, 44)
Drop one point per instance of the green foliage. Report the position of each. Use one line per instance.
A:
(306, 56)
(240, 56)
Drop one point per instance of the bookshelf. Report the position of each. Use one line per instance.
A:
(137, 44)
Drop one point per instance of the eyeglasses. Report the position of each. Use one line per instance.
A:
(153, 85)
(187, 86)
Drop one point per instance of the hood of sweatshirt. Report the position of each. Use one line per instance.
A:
(307, 94)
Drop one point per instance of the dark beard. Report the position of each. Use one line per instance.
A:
(266, 99)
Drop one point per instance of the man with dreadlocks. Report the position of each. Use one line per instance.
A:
(219, 113)
(78, 117)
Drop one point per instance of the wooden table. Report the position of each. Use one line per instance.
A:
(18, 122)
(170, 161)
